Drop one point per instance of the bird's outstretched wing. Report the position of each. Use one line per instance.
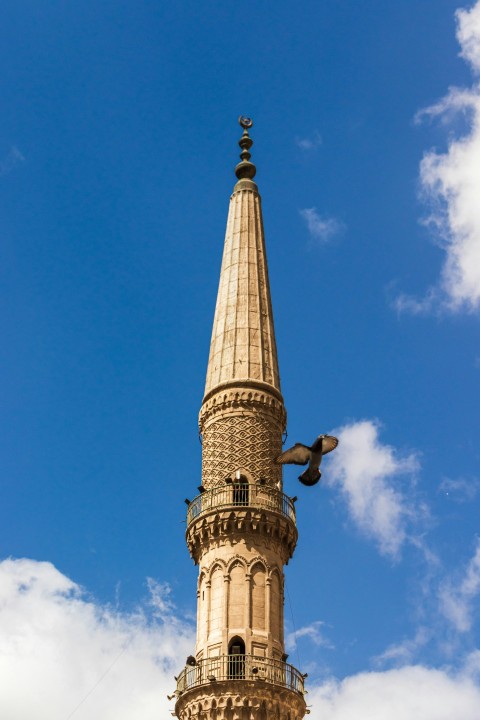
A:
(297, 455)
(329, 443)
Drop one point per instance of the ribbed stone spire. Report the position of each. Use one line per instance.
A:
(243, 349)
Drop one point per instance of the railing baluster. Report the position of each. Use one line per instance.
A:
(241, 495)
(240, 667)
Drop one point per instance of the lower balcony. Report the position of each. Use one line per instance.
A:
(240, 667)
(241, 495)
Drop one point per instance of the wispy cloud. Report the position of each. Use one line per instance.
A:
(312, 632)
(320, 227)
(458, 595)
(404, 652)
(369, 475)
(311, 142)
(13, 158)
(62, 651)
(450, 184)
(460, 489)
(472, 664)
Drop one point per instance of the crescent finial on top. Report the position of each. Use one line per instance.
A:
(245, 122)
(245, 169)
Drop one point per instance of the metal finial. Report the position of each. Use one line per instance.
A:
(245, 122)
(245, 169)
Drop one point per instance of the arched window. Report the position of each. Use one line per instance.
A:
(240, 490)
(258, 597)
(201, 604)
(236, 658)
(236, 602)
(216, 600)
(276, 607)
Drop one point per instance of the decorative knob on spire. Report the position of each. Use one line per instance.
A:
(245, 169)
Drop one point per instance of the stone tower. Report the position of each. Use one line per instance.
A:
(241, 529)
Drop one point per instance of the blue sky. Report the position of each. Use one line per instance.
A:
(118, 141)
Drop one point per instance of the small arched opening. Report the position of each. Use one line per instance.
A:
(240, 489)
(236, 658)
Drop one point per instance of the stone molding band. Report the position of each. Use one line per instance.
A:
(245, 398)
(225, 527)
(229, 699)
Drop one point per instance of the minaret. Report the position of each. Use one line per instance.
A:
(241, 529)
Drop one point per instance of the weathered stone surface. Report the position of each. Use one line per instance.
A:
(226, 528)
(242, 430)
(240, 700)
(243, 338)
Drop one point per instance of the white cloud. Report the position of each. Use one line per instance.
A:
(58, 647)
(309, 143)
(312, 632)
(368, 474)
(64, 655)
(405, 651)
(458, 596)
(410, 692)
(450, 183)
(468, 34)
(321, 228)
(472, 665)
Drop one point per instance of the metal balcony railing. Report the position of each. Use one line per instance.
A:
(241, 495)
(240, 667)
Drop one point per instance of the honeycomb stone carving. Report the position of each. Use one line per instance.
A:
(241, 428)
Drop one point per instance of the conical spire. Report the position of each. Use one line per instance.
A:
(243, 349)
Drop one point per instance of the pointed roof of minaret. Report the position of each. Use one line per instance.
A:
(243, 350)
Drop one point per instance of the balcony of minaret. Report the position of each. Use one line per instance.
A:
(240, 507)
(240, 687)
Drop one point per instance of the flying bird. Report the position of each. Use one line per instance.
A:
(302, 454)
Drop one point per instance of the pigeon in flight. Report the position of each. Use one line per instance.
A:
(302, 454)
